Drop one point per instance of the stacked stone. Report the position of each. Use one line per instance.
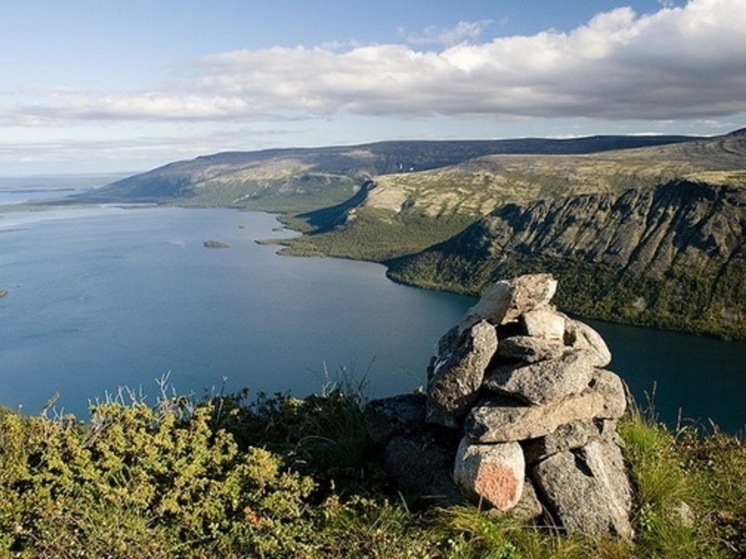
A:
(525, 390)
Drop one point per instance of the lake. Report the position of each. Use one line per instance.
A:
(107, 297)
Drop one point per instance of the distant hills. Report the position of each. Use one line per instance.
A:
(641, 229)
(310, 178)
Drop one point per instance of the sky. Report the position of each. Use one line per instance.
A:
(95, 86)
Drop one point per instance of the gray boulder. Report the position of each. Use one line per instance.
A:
(435, 415)
(587, 490)
(421, 465)
(568, 437)
(500, 419)
(457, 377)
(491, 473)
(581, 336)
(542, 381)
(544, 323)
(529, 507)
(528, 349)
(611, 387)
(506, 300)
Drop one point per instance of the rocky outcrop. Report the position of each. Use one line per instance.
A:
(672, 256)
(518, 415)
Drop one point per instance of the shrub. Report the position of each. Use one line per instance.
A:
(144, 479)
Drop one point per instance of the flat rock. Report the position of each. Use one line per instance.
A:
(542, 381)
(528, 349)
(506, 300)
(491, 473)
(457, 377)
(398, 415)
(581, 336)
(611, 387)
(568, 437)
(587, 490)
(500, 419)
(544, 323)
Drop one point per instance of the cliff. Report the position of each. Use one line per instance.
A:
(671, 257)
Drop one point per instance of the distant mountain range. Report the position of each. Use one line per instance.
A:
(309, 178)
(641, 229)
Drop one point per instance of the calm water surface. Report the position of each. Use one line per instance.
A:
(100, 298)
(105, 297)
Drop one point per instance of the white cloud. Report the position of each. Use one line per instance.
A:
(679, 63)
(462, 31)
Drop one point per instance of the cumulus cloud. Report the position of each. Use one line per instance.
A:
(678, 63)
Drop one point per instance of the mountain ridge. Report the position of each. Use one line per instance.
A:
(672, 257)
(304, 179)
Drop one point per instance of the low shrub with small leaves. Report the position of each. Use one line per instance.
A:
(141, 480)
(284, 477)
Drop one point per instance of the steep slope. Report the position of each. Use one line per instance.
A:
(672, 257)
(302, 179)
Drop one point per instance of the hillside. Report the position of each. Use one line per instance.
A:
(303, 179)
(406, 212)
(281, 477)
(673, 256)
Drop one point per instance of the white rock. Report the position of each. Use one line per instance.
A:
(493, 473)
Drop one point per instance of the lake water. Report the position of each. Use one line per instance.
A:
(104, 297)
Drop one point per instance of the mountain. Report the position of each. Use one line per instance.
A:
(403, 213)
(302, 179)
(672, 257)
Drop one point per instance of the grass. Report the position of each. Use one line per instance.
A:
(276, 476)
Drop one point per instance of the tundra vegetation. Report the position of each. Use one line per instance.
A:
(277, 476)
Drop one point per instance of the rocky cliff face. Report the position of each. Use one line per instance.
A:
(673, 256)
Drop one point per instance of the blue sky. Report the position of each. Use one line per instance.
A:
(97, 85)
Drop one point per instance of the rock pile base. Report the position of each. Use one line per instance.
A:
(519, 414)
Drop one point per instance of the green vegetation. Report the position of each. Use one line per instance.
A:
(284, 477)
(376, 235)
(686, 299)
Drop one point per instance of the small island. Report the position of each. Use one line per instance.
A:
(3, 292)
(215, 244)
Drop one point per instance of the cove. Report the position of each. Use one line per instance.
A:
(101, 298)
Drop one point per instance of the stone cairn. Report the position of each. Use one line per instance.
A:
(519, 415)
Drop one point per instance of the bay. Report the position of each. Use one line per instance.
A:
(108, 297)
(682, 379)
(101, 298)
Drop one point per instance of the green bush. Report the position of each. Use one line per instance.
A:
(284, 477)
(144, 479)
